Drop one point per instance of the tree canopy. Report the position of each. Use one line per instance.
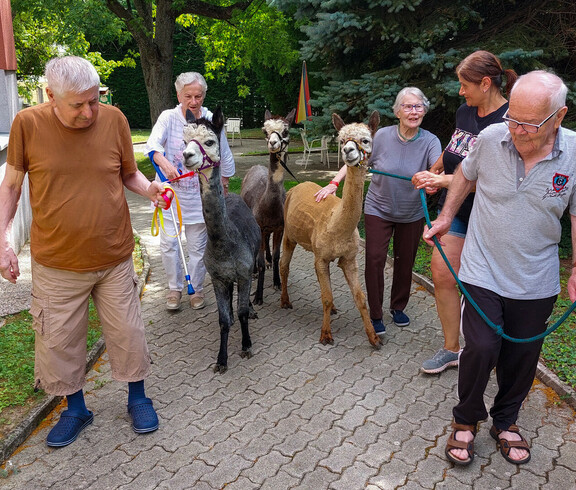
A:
(47, 28)
(360, 54)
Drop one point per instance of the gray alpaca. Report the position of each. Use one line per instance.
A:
(233, 234)
(263, 191)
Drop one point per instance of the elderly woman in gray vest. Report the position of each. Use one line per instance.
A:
(393, 206)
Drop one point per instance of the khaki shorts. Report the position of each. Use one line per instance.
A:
(60, 311)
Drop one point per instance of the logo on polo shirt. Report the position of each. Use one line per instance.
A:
(559, 181)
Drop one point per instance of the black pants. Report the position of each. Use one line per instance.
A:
(406, 239)
(485, 350)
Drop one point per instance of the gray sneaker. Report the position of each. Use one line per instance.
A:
(442, 360)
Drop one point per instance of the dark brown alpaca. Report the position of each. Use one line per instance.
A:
(264, 193)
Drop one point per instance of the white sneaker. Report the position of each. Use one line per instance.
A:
(197, 301)
(173, 300)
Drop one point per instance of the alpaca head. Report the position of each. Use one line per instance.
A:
(356, 139)
(202, 139)
(276, 130)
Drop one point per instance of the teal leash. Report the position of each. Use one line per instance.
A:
(497, 328)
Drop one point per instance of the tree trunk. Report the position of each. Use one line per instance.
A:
(157, 59)
(157, 63)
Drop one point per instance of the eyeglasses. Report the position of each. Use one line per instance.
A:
(409, 107)
(528, 127)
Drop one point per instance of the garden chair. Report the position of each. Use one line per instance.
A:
(233, 128)
(318, 145)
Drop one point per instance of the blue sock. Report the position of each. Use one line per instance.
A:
(76, 402)
(136, 391)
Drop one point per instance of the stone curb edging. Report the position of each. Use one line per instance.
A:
(17, 436)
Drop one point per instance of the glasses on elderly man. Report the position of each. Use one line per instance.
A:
(409, 107)
(528, 127)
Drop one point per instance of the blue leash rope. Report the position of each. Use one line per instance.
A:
(497, 328)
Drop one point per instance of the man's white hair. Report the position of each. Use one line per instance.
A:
(71, 74)
(551, 82)
(188, 78)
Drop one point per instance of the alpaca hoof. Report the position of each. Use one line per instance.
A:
(333, 311)
(220, 369)
(327, 341)
(286, 305)
(378, 344)
(246, 354)
(252, 315)
(258, 301)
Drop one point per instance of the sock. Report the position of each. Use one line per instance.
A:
(136, 391)
(76, 402)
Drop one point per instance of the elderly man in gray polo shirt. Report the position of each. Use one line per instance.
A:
(525, 172)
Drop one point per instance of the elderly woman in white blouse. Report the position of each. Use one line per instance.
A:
(165, 147)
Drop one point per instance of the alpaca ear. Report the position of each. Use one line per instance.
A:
(290, 116)
(337, 121)
(190, 118)
(374, 122)
(218, 120)
(267, 115)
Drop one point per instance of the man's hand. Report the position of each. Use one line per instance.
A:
(9, 265)
(572, 285)
(155, 192)
(440, 227)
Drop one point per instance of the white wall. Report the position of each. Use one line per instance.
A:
(9, 106)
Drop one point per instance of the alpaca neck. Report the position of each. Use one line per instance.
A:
(275, 169)
(213, 204)
(349, 210)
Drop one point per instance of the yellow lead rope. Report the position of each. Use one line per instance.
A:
(158, 219)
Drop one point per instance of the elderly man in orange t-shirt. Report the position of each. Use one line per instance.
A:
(78, 155)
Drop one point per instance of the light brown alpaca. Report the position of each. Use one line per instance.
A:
(329, 228)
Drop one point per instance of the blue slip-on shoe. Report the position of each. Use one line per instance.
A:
(400, 318)
(68, 428)
(144, 418)
(379, 327)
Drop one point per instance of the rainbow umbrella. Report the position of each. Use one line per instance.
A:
(303, 111)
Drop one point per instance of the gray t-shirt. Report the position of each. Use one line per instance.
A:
(511, 247)
(395, 199)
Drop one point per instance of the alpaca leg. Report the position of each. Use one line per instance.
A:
(225, 315)
(268, 254)
(259, 296)
(350, 269)
(323, 274)
(287, 252)
(277, 242)
(243, 315)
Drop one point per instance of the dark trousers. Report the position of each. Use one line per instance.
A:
(406, 239)
(485, 350)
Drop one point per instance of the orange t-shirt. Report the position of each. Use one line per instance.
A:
(80, 218)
